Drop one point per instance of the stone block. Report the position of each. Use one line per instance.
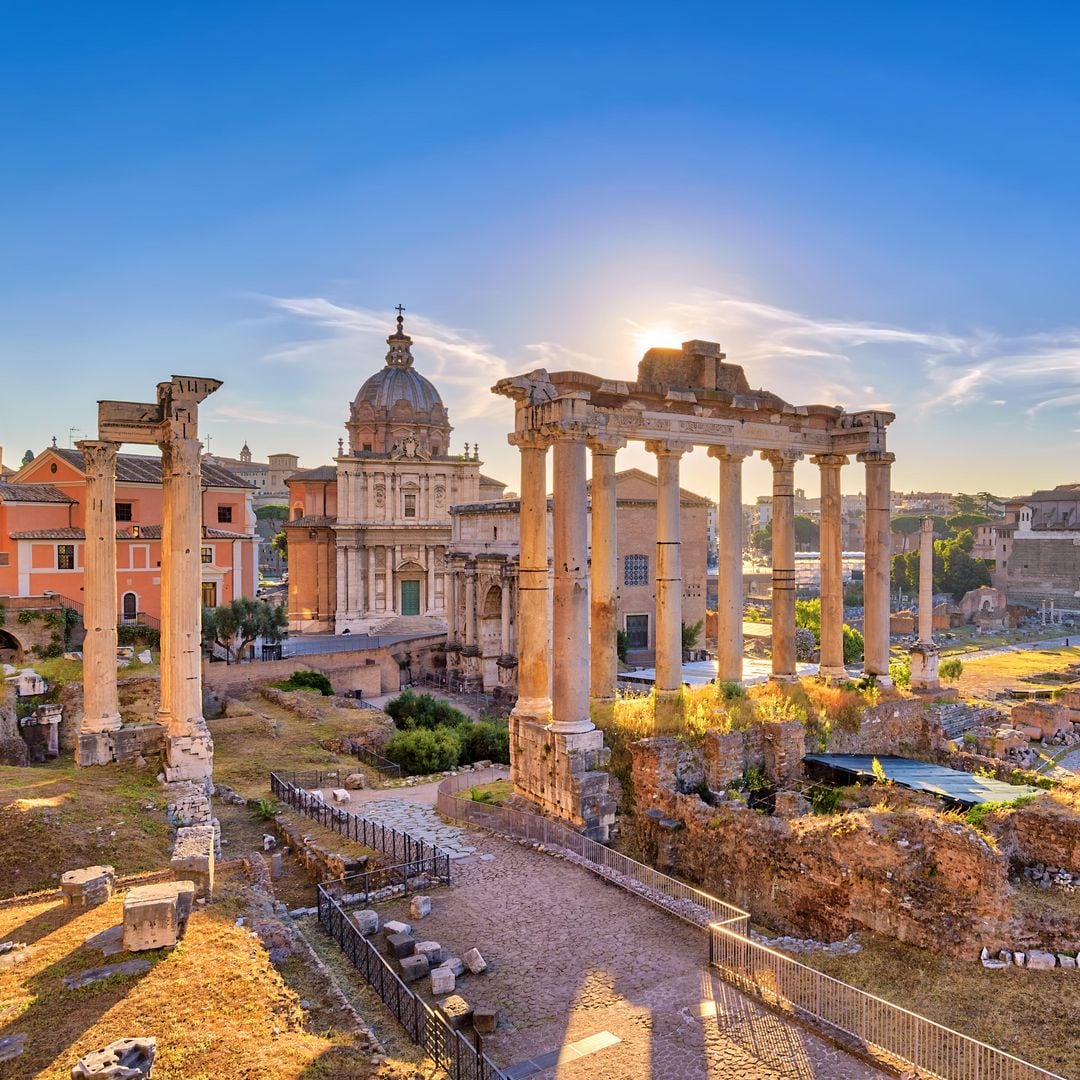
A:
(341, 795)
(435, 953)
(455, 965)
(355, 782)
(155, 916)
(193, 858)
(93, 975)
(790, 804)
(11, 1046)
(414, 967)
(1047, 717)
(88, 886)
(457, 1010)
(1040, 961)
(420, 907)
(475, 962)
(367, 921)
(443, 981)
(94, 748)
(396, 927)
(485, 1021)
(1066, 961)
(275, 865)
(125, 1059)
(1020, 959)
(401, 945)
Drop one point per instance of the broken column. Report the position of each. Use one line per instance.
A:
(156, 916)
(924, 653)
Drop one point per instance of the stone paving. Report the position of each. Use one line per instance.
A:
(593, 984)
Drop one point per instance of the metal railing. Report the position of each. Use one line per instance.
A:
(852, 1016)
(292, 789)
(427, 1027)
(675, 897)
(842, 1012)
(381, 764)
(382, 882)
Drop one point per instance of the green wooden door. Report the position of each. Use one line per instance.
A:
(410, 598)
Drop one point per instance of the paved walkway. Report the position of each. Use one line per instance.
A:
(594, 984)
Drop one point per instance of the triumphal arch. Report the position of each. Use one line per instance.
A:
(682, 398)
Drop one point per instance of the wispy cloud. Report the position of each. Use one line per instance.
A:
(257, 416)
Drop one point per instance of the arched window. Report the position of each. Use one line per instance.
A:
(130, 609)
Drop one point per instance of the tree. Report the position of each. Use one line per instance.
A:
(989, 500)
(279, 544)
(272, 512)
(951, 669)
(898, 574)
(808, 616)
(236, 625)
(807, 532)
(959, 522)
(762, 539)
(965, 504)
(28, 457)
(906, 526)
(690, 634)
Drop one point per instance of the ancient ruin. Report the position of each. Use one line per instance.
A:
(924, 653)
(683, 398)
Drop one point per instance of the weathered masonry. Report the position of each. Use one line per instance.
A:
(682, 399)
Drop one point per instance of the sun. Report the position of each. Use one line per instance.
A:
(661, 335)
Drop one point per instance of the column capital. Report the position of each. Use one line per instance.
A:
(566, 431)
(668, 447)
(528, 440)
(98, 455)
(603, 444)
(875, 457)
(826, 460)
(781, 459)
(730, 453)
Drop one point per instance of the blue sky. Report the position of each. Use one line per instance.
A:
(864, 205)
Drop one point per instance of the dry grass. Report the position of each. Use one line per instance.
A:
(1031, 1014)
(984, 678)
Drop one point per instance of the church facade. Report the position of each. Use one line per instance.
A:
(369, 535)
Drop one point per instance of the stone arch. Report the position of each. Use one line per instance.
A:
(12, 649)
(491, 635)
(492, 603)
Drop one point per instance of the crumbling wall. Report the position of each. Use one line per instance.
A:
(1045, 831)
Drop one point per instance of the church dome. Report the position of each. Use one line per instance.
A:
(393, 384)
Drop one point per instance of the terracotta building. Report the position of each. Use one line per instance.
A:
(368, 535)
(484, 561)
(41, 532)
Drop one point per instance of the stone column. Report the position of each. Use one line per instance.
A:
(470, 605)
(832, 567)
(453, 617)
(604, 626)
(371, 589)
(389, 599)
(429, 600)
(876, 570)
(783, 562)
(668, 568)
(729, 545)
(534, 702)
(924, 653)
(504, 615)
(342, 581)
(101, 711)
(356, 580)
(570, 614)
(188, 748)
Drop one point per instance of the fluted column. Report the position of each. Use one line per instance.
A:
(504, 616)
(470, 605)
(729, 545)
(832, 567)
(570, 614)
(534, 702)
(429, 601)
(101, 710)
(668, 565)
(371, 589)
(341, 556)
(390, 599)
(604, 626)
(783, 562)
(876, 571)
(926, 581)
(453, 616)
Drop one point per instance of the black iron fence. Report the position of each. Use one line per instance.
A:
(301, 793)
(381, 764)
(427, 1027)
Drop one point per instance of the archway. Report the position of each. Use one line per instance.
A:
(491, 635)
(11, 648)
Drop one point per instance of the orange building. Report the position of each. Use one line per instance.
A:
(41, 533)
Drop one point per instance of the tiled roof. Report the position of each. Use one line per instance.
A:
(222, 534)
(322, 472)
(146, 469)
(49, 534)
(32, 493)
(146, 532)
(311, 522)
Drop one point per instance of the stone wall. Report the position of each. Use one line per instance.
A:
(909, 874)
(1044, 831)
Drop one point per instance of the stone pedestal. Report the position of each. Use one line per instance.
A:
(924, 666)
(562, 774)
(156, 916)
(88, 886)
(193, 858)
(131, 1059)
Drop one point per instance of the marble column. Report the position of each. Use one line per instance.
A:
(832, 567)
(356, 580)
(604, 625)
(389, 599)
(470, 605)
(188, 747)
(876, 570)
(429, 600)
(372, 591)
(534, 701)
(570, 613)
(504, 615)
(924, 653)
(729, 545)
(453, 617)
(342, 581)
(783, 562)
(668, 566)
(101, 710)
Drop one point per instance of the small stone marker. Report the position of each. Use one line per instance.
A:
(434, 952)
(93, 975)
(1020, 959)
(420, 906)
(401, 945)
(1066, 961)
(341, 795)
(414, 967)
(1041, 961)
(442, 981)
(367, 921)
(455, 965)
(155, 916)
(395, 927)
(475, 962)
(193, 858)
(275, 865)
(131, 1059)
(458, 1011)
(485, 1020)
(87, 887)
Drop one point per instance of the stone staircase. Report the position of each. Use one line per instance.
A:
(409, 626)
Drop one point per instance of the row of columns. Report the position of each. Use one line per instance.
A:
(463, 618)
(357, 569)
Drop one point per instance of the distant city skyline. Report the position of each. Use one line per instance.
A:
(863, 207)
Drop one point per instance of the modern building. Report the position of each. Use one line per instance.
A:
(368, 535)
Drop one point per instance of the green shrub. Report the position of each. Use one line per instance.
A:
(825, 800)
(622, 644)
(951, 669)
(900, 673)
(976, 816)
(147, 636)
(731, 691)
(486, 739)
(267, 809)
(425, 750)
(308, 680)
(410, 711)
(853, 645)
